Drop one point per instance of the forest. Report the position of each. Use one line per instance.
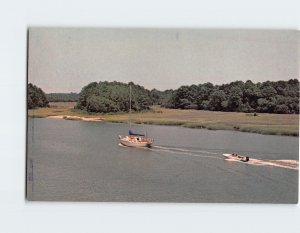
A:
(281, 97)
(267, 97)
(36, 98)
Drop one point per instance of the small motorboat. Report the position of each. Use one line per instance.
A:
(237, 157)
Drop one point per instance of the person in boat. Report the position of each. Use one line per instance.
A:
(245, 159)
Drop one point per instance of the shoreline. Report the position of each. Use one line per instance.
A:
(78, 118)
(186, 124)
(262, 123)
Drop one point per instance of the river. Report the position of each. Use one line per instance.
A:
(83, 161)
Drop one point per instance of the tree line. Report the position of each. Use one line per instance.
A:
(266, 97)
(280, 97)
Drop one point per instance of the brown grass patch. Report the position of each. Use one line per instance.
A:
(281, 124)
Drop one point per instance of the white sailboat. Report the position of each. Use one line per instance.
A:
(135, 139)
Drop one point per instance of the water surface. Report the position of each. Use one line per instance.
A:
(82, 161)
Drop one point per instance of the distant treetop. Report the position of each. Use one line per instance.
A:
(63, 97)
(36, 97)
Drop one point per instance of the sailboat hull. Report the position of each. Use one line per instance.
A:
(133, 142)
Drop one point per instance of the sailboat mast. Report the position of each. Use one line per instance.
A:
(130, 106)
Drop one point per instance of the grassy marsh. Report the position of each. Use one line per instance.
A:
(263, 123)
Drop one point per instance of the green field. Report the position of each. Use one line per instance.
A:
(277, 124)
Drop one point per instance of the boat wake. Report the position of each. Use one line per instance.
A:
(180, 151)
(183, 151)
(288, 164)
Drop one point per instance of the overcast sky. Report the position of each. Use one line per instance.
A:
(65, 60)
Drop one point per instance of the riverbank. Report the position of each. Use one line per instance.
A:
(263, 123)
(76, 118)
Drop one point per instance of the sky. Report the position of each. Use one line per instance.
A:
(66, 59)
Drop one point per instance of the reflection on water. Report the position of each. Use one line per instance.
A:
(83, 161)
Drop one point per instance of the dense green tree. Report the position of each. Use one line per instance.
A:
(251, 93)
(268, 91)
(281, 109)
(168, 100)
(100, 104)
(183, 97)
(36, 97)
(204, 91)
(107, 97)
(216, 100)
(235, 99)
